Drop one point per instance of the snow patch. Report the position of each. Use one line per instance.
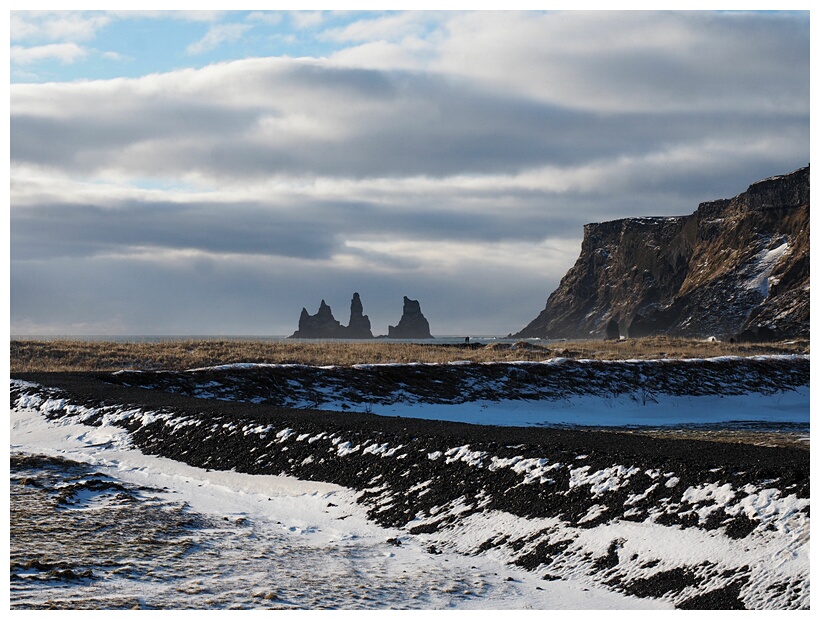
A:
(764, 264)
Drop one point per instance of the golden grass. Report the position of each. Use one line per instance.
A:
(756, 438)
(79, 355)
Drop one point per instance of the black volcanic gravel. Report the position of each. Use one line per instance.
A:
(93, 389)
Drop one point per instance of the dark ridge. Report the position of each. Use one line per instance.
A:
(95, 389)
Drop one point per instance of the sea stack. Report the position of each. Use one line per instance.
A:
(324, 325)
(359, 324)
(412, 323)
(319, 325)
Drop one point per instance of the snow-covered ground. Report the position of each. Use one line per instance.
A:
(424, 520)
(617, 411)
(278, 542)
(724, 391)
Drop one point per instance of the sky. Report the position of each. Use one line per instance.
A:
(213, 172)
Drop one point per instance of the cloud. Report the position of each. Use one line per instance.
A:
(216, 36)
(306, 19)
(113, 56)
(283, 172)
(609, 61)
(265, 17)
(274, 120)
(56, 25)
(409, 55)
(188, 16)
(391, 27)
(66, 53)
(59, 229)
(55, 222)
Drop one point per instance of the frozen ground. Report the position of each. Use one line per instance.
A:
(348, 510)
(241, 541)
(723, 391)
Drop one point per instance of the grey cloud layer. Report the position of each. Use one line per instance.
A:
(50, 231)
(638, 60)
(314, 120)
(307, 230)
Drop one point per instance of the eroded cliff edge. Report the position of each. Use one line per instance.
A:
(736, 267)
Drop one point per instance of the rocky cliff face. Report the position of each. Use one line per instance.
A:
(324, 325)
(735, 267)
(412, 323)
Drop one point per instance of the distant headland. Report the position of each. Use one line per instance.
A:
(737, 268)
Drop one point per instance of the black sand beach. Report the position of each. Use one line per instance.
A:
(412, 473)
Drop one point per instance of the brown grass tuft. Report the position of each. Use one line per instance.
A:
(80, 355)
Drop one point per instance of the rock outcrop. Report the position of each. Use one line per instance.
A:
(613, 331)
(324, 325)
(412, 323)
(736, 267)
(359, 324)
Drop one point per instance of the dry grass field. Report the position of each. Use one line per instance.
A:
(78, 355)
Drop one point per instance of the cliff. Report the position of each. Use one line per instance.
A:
(735, 267)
